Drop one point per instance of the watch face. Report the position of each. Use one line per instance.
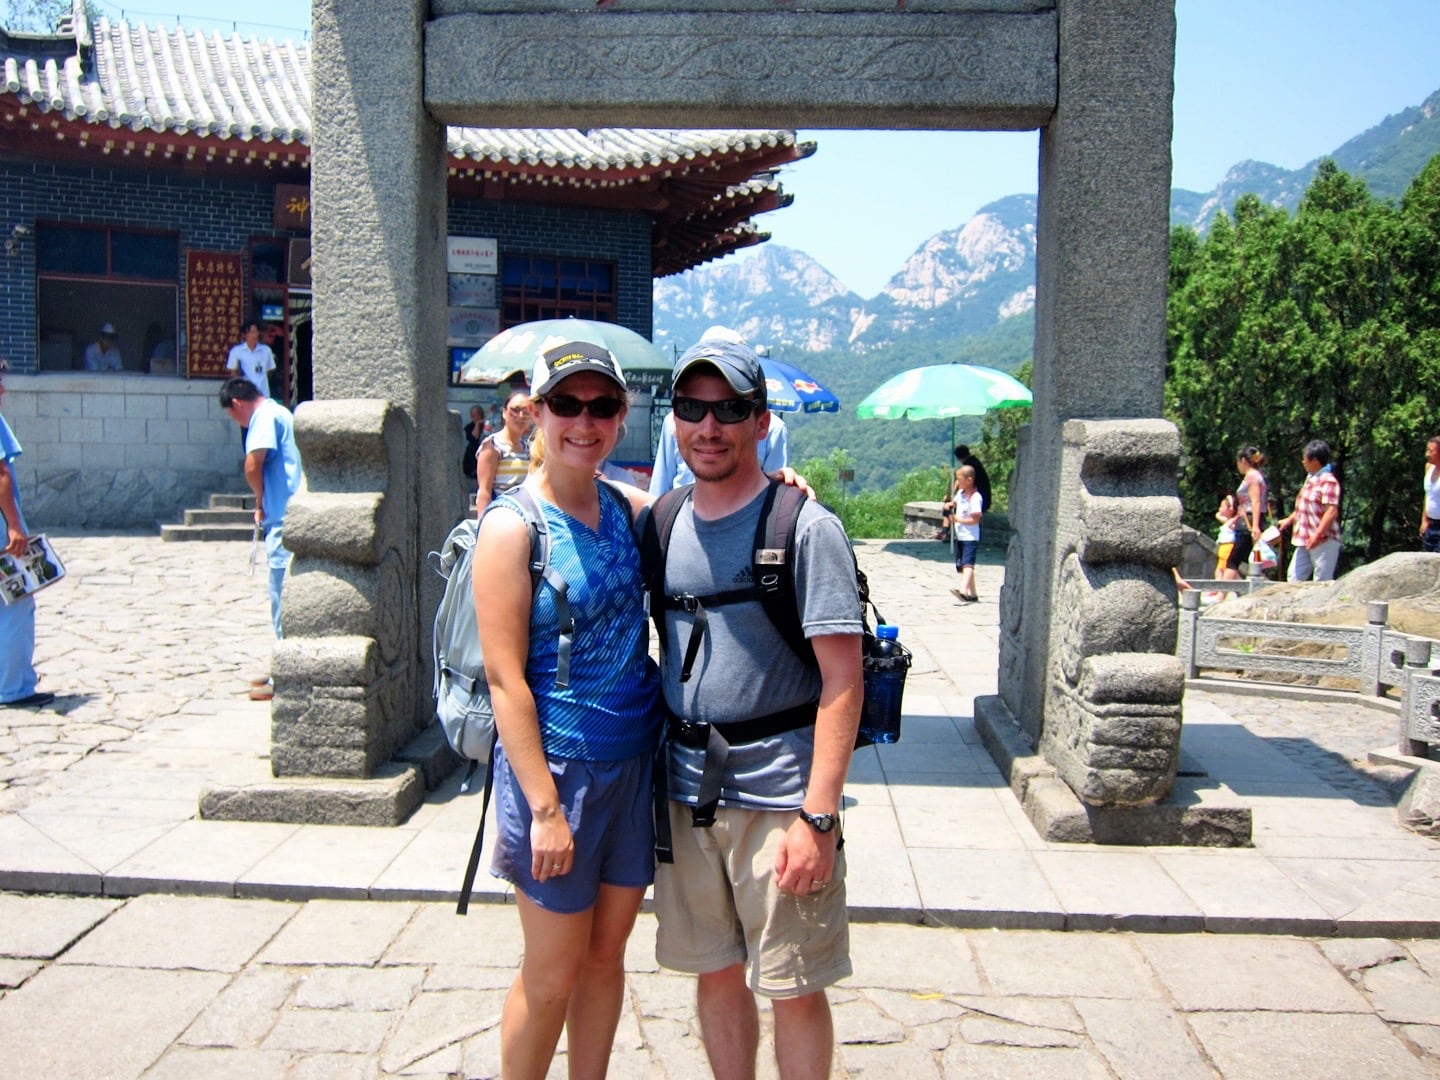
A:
(819, 822)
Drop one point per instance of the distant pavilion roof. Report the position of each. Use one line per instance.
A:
(157, 98)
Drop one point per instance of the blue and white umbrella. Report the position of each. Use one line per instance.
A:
(788, 389)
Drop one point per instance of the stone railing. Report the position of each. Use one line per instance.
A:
(1373, 657)
(923, 520)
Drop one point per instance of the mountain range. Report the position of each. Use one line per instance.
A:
(965, 280)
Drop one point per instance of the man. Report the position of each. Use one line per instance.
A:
(272, 469)
(963, 458)
(103, 354)
(1316, 518)
(251, 358)
(17, 620)
(777, 925)
(963, 514)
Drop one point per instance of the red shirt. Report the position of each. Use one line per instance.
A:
(1320, 490)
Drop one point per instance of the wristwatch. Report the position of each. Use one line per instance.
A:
(821, 823)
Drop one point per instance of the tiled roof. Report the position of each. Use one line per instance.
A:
(180, 82)
(177, 98)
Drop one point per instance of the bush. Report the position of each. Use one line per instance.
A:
(871, 515)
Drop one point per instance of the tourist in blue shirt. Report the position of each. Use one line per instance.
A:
(17, 620)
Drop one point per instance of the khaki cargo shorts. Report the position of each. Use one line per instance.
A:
(717, 905)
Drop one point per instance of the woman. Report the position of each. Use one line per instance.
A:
(1430, 515)
(1250, 501)
(474, 436)
(504, 457)
(573, 764)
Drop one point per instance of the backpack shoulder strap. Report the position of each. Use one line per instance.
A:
(772, 565)
(656, 526)
(541, 570)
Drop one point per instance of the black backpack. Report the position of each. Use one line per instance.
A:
(772, 573)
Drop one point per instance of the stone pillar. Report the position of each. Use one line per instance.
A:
(1112, 718)
(1102, 262)
(379, 201)
(352, 676)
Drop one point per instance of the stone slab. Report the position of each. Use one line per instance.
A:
(1242, 892)
(245, 1011)
(31, 862)
(879, 882)
(43, 927)
(180, 932)
(1225, 974)
(386, 799)
(333, 932)
(1114, 890)
(917, 964)
(201, 858)
(99, 1021)
(1064, 965)
(220, 1063)
(335, 862)
(1003, 889)
(1302, 1046)
(1142, 1040)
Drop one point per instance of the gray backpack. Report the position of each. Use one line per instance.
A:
(462, 693)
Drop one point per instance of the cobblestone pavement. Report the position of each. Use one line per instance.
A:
(197, 987)
(138, 632)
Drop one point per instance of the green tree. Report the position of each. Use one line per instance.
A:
(1283, 329)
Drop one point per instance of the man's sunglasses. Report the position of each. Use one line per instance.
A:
(730, 411)
(567, 405)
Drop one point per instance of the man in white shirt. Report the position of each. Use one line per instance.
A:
(252, 359)
(103, 354)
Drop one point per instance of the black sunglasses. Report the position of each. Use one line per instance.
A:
(729, 411)
(567, 405)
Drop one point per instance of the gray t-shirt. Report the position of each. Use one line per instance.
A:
(744, 668)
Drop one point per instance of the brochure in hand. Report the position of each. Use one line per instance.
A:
(29, 573)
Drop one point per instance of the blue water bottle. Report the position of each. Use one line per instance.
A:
(886, 663)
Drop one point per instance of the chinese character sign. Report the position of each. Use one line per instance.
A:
(214, 306)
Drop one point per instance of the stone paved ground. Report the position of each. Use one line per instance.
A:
(1331, 738)
(142, 634)
(196, 987)
(137, 633)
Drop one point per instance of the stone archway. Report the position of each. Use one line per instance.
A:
(1086, 671)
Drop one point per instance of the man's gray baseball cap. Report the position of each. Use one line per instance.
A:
(736, 363)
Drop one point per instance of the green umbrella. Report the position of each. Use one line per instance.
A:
(943, 391)
(514, 350)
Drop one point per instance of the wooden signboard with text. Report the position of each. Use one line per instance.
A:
(214, 306)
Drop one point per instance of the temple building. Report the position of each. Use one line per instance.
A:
(155, 182)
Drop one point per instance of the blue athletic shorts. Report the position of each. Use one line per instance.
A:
(965, 552)
(608, 805)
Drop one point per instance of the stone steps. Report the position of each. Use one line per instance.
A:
(227, 517)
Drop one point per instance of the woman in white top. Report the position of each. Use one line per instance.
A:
(503, 460)
(1430, 516)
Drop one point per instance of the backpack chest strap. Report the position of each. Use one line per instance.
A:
(697, 605)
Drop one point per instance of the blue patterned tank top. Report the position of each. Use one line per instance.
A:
(611, 709)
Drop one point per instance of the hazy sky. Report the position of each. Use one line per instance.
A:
(1282, 81)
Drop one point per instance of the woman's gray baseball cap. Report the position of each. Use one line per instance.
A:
(736, 363)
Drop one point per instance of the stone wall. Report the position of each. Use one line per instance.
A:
(114, 451)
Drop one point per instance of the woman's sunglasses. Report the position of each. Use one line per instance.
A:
(567, 405)
(730, 411)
